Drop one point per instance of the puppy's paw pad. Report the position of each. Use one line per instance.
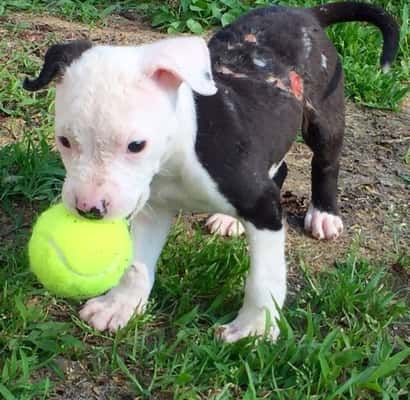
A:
(109, 312)
(224, 225)
(323, 225)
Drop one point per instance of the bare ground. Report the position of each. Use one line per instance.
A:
(374, 196)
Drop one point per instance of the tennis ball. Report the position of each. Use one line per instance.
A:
(75, 257)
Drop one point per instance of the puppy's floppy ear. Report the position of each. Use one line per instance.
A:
(58, 57)
(186, 59)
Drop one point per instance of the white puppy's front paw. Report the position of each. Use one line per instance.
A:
(252, 324)
(111, 311)
(224, 225)
(323, 225)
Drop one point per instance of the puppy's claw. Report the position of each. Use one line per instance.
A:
(224, 225)
(323, 225)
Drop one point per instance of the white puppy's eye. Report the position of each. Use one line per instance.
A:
(136, 146)
(64, 141)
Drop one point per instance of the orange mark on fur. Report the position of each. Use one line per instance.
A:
(296, 85)
(250, 38)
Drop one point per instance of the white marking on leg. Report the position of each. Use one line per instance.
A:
(259, 62)
(323, 61)
(114, 309)
(307, 42)
(224, 225)
(386, 68)
(274, 168)
(323, 225)
(265, 285)
(227, 71)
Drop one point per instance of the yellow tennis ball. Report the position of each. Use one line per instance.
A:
(75, 257)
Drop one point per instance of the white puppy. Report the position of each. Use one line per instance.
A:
(125, 125)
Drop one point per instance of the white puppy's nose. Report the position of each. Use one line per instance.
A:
(91, 208)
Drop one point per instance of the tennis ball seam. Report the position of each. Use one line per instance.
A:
(67, 265)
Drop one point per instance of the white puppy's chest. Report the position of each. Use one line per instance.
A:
(182, 182)
(190, 189)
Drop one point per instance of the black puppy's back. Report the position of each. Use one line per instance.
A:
(277, 71)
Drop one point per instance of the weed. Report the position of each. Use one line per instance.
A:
(29, 170)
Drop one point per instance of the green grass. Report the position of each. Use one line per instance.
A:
(343, 336)
(29, 170)
(336, 338)
(359, 45)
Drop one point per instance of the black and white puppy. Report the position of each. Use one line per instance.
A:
(177, 125)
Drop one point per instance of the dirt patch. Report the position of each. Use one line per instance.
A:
(374, 196)
(115, 30)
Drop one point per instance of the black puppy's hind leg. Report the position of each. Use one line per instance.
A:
(324, 135)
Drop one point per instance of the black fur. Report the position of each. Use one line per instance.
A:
(281, 175)
(58, 57)
(252, 121)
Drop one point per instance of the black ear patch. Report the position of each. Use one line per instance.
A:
(58, 57)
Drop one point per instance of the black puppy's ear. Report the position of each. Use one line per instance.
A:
(58, 57)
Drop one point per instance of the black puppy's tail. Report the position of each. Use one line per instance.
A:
(328, 14)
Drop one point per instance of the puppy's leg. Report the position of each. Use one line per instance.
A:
(225, 225)
(265, 287)
(324, 135)
(114, 309)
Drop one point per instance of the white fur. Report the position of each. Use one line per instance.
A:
(183, 183)
(259, 62)
(323, 225)
(113, 310)
(386, 68)
(307, 42)
(265, 286)
(111, 96)
(274, 168)
(323, 61)
(186, 57)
